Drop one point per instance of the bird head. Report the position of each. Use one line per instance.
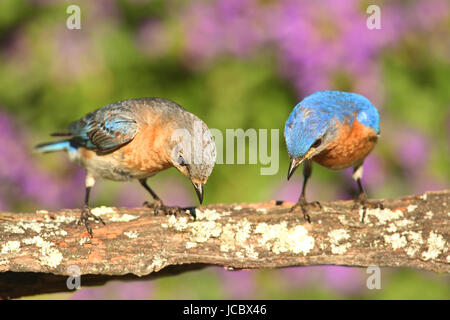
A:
(193, 153)
(315, 122)
(308, 132)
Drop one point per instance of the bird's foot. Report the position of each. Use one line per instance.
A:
(363, 203)
(84, 218)
(158, 207)
(303, 205)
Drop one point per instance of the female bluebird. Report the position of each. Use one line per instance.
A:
(335, 129)
(135, 139)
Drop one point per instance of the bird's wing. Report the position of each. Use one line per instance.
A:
(105, 129)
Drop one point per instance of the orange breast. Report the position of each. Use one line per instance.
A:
(144, 156)
(353, 144)
(147, 152)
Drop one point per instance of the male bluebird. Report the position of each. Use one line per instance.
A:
(335, 129)
(135, 139)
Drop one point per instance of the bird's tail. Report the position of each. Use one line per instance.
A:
(63, 145)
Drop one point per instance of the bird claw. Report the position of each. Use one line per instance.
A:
(158, 206)
(84, 218)
(364, 204)
(302, 204)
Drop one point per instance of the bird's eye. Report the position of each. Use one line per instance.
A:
(317, 143)
(181, 161)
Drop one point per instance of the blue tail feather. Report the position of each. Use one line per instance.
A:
(64, 145)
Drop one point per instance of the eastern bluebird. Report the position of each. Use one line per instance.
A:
(135, 139)
(335, 129)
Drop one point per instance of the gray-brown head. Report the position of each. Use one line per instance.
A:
(193, 151)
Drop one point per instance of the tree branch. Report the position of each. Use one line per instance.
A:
(412, 231)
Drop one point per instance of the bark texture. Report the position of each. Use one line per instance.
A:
(39, 250)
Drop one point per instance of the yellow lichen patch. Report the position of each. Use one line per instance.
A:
(113, 214)
(131, 234)
(234, 238)
(403, 223)
(227, 238)
(279, 238)
(84, 240)
(44, 229)
(342, 219)
(31, 225)
(202, 231)
(122, 218)
(411, 207)
(62, 219)
(415, 241)
(242, 231)
(210, 215)
(179, 224)
(12, 228)
(384, 215)
(159, 262)
(103, 210)
(190, 245)
(11, 247)
(436, 246)
(338, 242)
(392, 228)
(396, 240)
(250, 252)
(49, 256)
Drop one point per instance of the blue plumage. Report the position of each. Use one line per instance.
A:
(106, 129)
(335, 129)
(54, 146)
(103, 130)
(313, 117)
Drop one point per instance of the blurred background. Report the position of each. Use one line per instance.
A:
(235, 64)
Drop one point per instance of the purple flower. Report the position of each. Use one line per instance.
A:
(26, 178)
(89, 294)
(315, 40)
(238, 284)
(226, 26)
(412, 149)
(296, 277)
(374, 173)
(136, 290)
(346, 280)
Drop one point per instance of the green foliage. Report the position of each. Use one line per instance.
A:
(50, 76)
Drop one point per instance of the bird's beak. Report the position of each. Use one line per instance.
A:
(199, 190)
(295, 162)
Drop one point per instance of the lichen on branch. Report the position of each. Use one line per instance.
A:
(411, 231)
